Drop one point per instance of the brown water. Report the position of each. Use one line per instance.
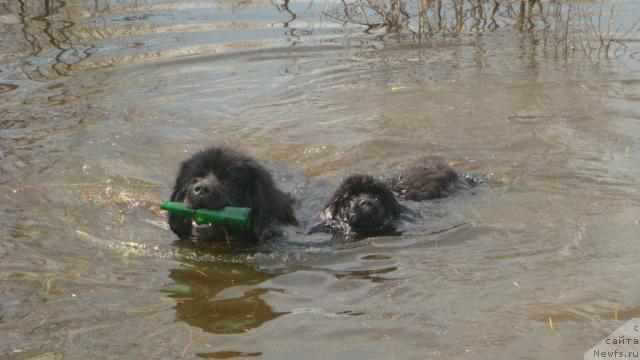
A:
(101, 100)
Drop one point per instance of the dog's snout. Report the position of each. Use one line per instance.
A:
(206, 193)
(365, 203)
(203, 188)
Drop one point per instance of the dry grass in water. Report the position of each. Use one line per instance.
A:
(568, 26)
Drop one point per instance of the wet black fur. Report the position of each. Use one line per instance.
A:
(429, 178)
(336, 214)
(238, 180)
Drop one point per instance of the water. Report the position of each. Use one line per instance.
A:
(101, 100)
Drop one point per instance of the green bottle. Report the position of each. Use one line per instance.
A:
(233, 218)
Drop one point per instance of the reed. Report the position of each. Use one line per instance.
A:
(590, 27)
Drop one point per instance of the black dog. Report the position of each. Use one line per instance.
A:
(219, 177)
(361, 205)
(366, 206)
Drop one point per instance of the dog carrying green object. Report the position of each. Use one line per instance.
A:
(232, 218)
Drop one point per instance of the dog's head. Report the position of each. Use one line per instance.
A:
(217, 184)
(220, 177)
(361, 204)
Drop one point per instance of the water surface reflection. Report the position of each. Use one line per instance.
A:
(201, 302)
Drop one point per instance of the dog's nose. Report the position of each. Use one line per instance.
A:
(202, 188)
(365, 203)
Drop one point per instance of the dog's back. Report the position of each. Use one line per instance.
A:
(429, 178)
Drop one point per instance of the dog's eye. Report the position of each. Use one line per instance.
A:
(237, 172)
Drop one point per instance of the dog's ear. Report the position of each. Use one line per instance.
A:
(390, 203)
(257, 182)
(269, 204)
(180, 225)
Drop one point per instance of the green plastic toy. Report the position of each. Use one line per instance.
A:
(233, 218)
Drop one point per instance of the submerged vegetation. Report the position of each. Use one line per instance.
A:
(586, 26)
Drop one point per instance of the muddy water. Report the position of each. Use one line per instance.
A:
(101, 100)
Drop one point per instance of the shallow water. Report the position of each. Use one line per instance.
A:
(101, 100)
